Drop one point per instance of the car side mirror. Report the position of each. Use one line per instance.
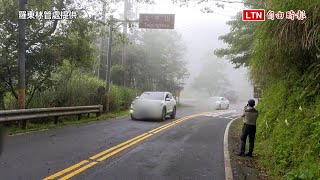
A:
(168, 99)
(137, 97)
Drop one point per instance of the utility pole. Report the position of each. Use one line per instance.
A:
(103, 61)
(22, 60)
(125, 31)
(108, 64)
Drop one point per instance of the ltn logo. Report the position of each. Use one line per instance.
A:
(253, 15)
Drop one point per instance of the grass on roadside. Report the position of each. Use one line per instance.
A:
(66, 121)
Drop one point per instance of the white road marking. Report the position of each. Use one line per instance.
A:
(226, 117)
(215, 114)
(231, 117)
(227, 164)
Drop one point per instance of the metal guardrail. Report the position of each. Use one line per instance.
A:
(27, 114)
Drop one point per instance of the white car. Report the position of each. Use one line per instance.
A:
(219, 102)
(155, 105)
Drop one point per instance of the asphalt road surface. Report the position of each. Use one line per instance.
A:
(188, 147)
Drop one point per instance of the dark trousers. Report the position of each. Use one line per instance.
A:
(251, 131)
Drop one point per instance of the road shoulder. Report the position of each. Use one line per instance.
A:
(64, 122)
(242, 167)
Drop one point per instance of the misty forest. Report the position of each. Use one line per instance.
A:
(217, 56)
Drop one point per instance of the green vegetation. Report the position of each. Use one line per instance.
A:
(283, 57)
(240, 36)
(289, 131)
(66, 59)
(74, 88)
(154, 61)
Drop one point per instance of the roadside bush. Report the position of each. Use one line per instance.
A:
(121, 98)
(288, 136)
(77, 89)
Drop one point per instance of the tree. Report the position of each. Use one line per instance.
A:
(211, 79)
(2, 94)
(240, 41)
(117, 75)
(155, 58)
(48, 42)
(165, 56)
(285, 49)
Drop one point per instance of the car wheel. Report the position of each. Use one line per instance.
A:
(163, 116)
(173, 114)
(133, 118)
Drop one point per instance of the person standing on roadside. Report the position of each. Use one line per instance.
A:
(250, 116)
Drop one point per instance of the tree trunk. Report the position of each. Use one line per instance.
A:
(2, 105)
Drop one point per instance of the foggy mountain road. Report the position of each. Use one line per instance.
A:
(189, 147)
(202, 64)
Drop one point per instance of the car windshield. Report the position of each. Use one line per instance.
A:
(152, 96)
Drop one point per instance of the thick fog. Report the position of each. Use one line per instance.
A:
(201, 38)
(200, 32)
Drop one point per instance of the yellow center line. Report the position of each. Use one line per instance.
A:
(163, 129)
(126, 142)
(104, 152)
(139, 140)
(78, 171)
(167, 125)
(115, 149)
(133, 143)
(103, 158)
(66, 170)
(123, 148)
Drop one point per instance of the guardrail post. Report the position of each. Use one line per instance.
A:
(56, 120)
(100, 111)
(24, 124)
(79, 116)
